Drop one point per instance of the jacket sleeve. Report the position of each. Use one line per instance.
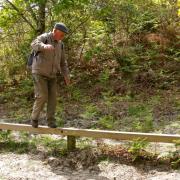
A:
(38, 44)
(63, 64)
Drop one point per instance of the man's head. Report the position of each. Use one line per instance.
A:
(59, 31)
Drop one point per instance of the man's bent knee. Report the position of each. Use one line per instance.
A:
(41, 98)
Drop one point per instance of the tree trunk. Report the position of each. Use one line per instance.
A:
(41, 17)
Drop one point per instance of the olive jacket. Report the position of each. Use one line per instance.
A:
(49, 63)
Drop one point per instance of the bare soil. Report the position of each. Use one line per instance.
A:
(32, 167)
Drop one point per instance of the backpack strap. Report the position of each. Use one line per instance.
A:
(46, 39)
(62, 45)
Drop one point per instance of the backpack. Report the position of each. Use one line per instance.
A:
(31, 57)
(35, 54)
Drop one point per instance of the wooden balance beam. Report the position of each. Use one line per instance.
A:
(72, 133)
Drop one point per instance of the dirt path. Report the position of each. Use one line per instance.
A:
(28, 167)
(32, 167)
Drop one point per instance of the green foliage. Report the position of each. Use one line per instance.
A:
(127, 58)
(175, 156)
(23, 145)
(54, 147)
(107, 35)
(18, 147)
(27, 143)
(176, 163)
(5, 135)
(7, 17)
(136, 110)
(74, 93)
(109, 97)
(58, 115)
(104, 76)
(143, 126)
(137, 146)
(89, 54)
(96, 26)
(70, 5)
(84, 143)
(139, 110)
(59, 121)
(177, 144)
(31, 143)
(143, 119)
(90, 112)
(25, 87)
(107, 122)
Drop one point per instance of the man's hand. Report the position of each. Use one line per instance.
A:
(48, 47)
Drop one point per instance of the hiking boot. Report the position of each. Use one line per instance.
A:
(52, 125)
(34, 123)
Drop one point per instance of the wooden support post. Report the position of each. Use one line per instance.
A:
(71, 143)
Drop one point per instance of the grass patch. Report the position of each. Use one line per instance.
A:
(18, 147)
(107, 122)
(143, 126)
(24, 142)
(84, 143)
(54, 147)
(59, 114)
(90, 112)
(138, 110)
(9, 144)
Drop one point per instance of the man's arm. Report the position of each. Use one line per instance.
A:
(39, 43)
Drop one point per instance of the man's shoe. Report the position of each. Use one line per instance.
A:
(34, 123)
(52, 125)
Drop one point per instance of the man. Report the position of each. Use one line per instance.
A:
(49, 60)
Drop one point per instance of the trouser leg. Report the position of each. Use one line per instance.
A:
(41, 94)
(51, 103)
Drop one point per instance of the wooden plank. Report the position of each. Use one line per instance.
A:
(166, 138)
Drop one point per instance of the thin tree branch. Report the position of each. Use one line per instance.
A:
(29, 8)
(84, 42)
(79, 25)
(21, 14)
(54, 1)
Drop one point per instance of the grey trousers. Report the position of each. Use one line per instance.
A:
(45, 92)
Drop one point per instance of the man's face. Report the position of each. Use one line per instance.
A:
(58, 35)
